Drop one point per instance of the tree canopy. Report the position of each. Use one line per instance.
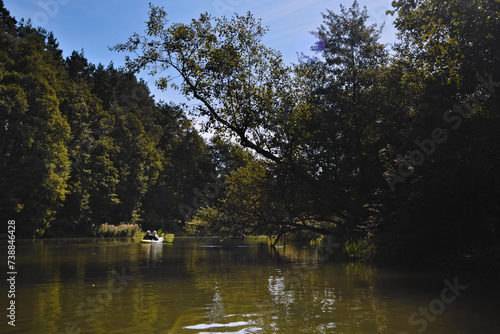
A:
(358, 142)
(396, 148)
(82, 145)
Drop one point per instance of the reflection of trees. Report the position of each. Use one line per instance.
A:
(289, 294)
(189, 284)
(58, 276)
(316, 297)
(217, 309)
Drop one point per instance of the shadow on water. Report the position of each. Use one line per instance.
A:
(235, 286)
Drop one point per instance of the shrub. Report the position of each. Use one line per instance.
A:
(123, 230)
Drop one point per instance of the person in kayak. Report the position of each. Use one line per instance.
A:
(154, 236)
(148, 236)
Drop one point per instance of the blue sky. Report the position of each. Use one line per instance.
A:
(93, 25)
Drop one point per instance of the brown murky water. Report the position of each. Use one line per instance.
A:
(204, 286)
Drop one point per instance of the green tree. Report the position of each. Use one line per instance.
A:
(447, 60)
(346, 87)
(245, 90)
(187, 170)
(93, 177)
(83, 145)
(34, 134)
(138, 163)
(454, 41)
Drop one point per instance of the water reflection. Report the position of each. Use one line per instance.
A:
(152, 252)
(204, 286)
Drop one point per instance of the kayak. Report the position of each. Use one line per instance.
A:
(160, 240)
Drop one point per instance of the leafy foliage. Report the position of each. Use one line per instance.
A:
(34, 166)
(394, 152)
(282, 113)
(326, 130)
(83, 145)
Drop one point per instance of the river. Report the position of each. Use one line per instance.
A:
(208, 286)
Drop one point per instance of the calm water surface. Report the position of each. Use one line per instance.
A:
(204, 286)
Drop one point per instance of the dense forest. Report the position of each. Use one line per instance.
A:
(82, 145)
(392, 151)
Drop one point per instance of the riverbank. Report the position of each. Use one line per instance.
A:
(481, 260)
